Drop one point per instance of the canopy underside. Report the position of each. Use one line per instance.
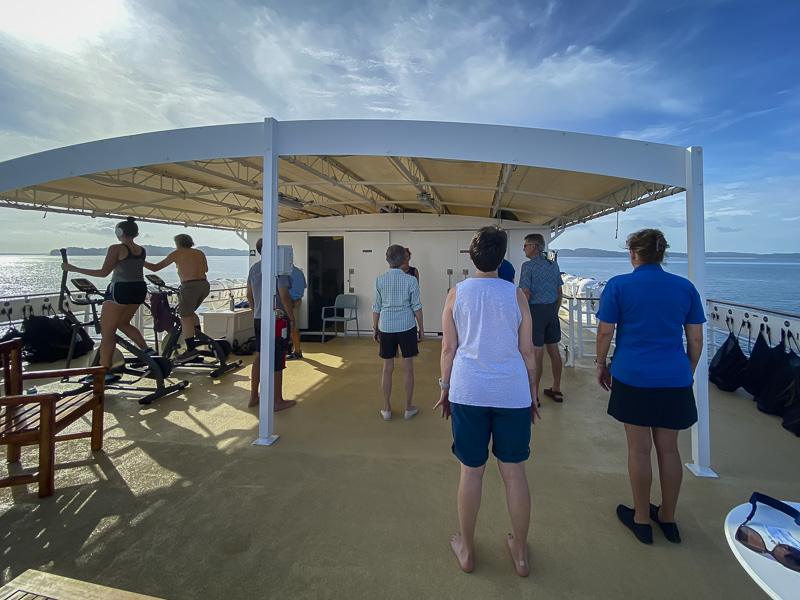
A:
(227, 193)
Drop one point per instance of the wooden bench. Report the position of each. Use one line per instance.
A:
(39, 418)
(37, 585)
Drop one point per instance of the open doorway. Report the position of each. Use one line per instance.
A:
(325, 276)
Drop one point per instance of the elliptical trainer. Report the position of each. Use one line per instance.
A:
(140, 364)
(217, 350)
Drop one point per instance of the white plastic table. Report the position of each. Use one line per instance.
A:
(776, 580)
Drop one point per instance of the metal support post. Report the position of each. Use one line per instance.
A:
(269, 259)
(696, 251)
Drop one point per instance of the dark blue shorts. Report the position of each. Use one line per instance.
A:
(508, 428)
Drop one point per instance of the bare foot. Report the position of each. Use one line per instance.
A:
(253, 402)
(464, 557)
(520, 562)
(281, 404)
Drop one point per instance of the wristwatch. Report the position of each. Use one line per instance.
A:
(602, 364)
(443, 385)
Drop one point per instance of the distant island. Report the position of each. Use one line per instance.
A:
(152, 251)
(592, 253)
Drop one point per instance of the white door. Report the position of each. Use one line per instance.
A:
(364, 260)
(435, 254)
(298, 240)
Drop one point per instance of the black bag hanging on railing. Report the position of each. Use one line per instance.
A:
(759, 365)
(728, 365)
(791, 419)
(780, 393)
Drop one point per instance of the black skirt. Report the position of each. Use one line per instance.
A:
(670, 408)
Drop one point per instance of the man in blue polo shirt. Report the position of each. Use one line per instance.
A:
(397, 321)
(540, 281)
(296, 292)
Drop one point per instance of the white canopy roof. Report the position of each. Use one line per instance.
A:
(213, 176)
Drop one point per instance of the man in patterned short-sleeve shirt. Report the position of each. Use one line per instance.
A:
(540, 281)
(396, 313)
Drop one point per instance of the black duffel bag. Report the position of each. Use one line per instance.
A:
(47, 339)
(780, 393)
(791, 418)
(759, 365)
(728, 366)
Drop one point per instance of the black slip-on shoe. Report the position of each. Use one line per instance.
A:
(643, 533)
(670, 529)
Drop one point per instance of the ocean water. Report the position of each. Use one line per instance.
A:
(773, 284)
(31, 274)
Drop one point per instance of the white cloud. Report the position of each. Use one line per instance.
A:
(659, 133)
(139, 71)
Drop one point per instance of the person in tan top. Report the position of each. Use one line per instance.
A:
(192, 268)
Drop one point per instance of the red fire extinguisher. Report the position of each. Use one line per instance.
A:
(282, 332)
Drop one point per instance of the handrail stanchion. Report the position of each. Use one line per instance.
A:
(580, 328)
(571, 361)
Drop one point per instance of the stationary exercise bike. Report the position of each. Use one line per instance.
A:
(139, 364)
(217, 350)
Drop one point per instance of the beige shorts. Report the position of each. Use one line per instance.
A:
(191, 296)
(296, 304)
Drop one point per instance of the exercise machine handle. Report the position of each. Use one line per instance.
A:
(64, 276)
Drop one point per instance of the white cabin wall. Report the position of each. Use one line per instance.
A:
(438, 243)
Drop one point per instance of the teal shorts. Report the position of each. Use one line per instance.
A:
(509, 430)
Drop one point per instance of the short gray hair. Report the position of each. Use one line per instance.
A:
(184, 240)
(538, 239)
(395, 256)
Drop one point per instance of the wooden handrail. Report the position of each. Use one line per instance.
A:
(58, 373)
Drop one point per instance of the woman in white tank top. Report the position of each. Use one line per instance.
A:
(488, 378)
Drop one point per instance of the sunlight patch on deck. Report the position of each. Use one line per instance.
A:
(142, 474)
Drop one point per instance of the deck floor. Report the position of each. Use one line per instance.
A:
(181, 506)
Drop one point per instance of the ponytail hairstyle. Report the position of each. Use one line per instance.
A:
(127, 228)
(650, 245)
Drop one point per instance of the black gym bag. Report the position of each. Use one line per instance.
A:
(47, 339)
(759, 365)
(728, 366)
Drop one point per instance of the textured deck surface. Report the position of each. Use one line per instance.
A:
(182, 506)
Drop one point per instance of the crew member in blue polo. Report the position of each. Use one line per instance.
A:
(651, 388)
(296, 293)
(506, 271)
(397, 322)
(540, 281)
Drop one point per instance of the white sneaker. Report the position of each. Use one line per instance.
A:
(387, 415)
(409, 414)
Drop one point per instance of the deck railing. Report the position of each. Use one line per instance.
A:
(579, 326)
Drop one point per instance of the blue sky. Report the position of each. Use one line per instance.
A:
(721, 74)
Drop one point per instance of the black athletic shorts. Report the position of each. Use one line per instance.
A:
(126, 292)
(670, 408)
(544, 324)
(407, 340)
(280, 353)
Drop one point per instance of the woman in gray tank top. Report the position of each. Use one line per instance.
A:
(126, 292)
